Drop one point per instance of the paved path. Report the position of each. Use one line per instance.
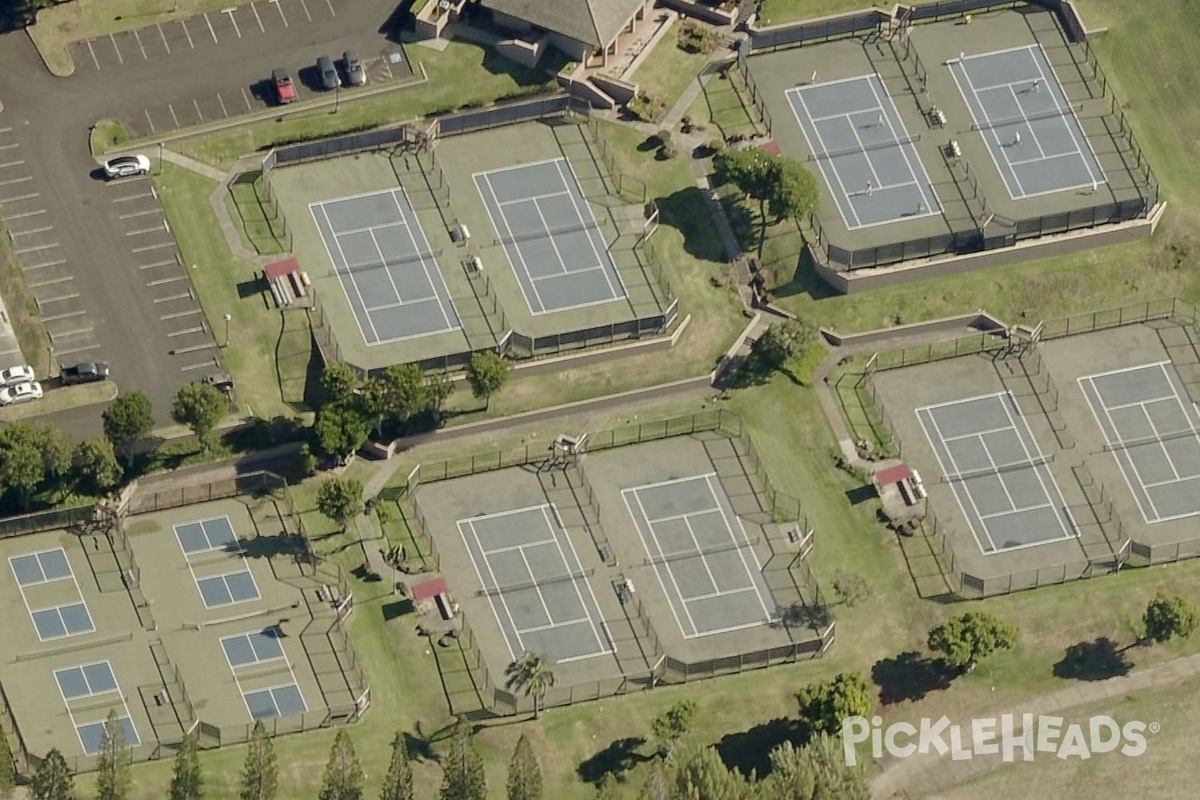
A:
(179, 159)
(922, 775)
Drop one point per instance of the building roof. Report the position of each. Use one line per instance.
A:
(893, 474)
(594, 22)
(429, 589)
(278, 269)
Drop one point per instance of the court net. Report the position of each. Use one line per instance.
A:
(734, 546)
(393, 261)
(1000, 469)
(570, 577)
(849, 151)
(1061, 111)
(550, 233)
(1128, 444)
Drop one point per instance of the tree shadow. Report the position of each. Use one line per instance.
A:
(805, 281)
(619, 757)
(686, 211)
(750, 751)
(1096, 660)
(910, 676)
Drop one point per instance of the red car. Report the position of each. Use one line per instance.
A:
(285, 92)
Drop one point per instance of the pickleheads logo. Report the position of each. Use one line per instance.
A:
(1005, 735)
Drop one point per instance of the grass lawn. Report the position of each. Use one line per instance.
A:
(259, 230)
(23, 313)
(777, 12)
(257, 333)
(465, 73)
(62, 24)
(107, 134)
(669, 69)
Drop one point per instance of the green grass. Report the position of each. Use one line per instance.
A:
(464, 74)
(62, 24)
(668, 69)
(777, 12)
(107, 134)
(256, 333)
(260, 227)
(723, 106)
(23, 312)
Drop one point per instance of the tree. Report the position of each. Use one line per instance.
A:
(341, 429)
(462, 777)
(524, 774)
(112, 768)
(399, 392)
(339, 382)
(850, 587)
(398, 783)
(824, 704)
(658, 783)
(793, 191)
(778, 343)
(1168, 616)
(96, 464)
(260, 773)
(672, 725)
(128, 421)
(487, 374)
(22, 465)
(186, 781)
(782, 187)
(438, 388)
(343, 778)
(200, 407)
(340, 499)
(57, 447)
(817, 771)
(8, 770)
(530, 673)
(52, 780)
(967, 638)
(704, 776)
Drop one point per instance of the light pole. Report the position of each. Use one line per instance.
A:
(227, 318)
(160, 158)
(337, 97)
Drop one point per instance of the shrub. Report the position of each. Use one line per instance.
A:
(663, 136)
(667, 152)
(716, 145)
(647, 107)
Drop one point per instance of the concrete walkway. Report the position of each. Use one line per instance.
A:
(180, 160)
(923, 775)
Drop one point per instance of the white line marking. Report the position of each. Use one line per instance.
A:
(199, 113)
(179, 314)
(20, 197)
(140, 45)
(152, 121)
(92, 50)
(39, 284)
(210, 28)
(11, 181)
(55, 263)
(331, 11)
(25, 215)
(257, 17)
(139, 213)
(163, 36)
(55, 317)
(172, 279)
(305, 7)
(232, 19)
(113, 39)
(32, 231)
(73, 350)
(281, 14)
(17, 163)
(34, 249)
(188, 34)
(153, 247)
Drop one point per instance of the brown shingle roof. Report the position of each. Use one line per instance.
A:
(594, 22)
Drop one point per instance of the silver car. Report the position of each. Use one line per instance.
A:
(125, 166)
(14, 375)
(355, 74)
(21, 393)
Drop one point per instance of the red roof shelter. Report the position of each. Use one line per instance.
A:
(427, 590)
(886, 477)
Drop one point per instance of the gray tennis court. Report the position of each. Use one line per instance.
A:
(539, 593)
(864, 151)
(207, 535)
(704, 561)
(275, 701)
(1031, 129)
(550, 236)
(56, 612)
(88, 692)
(999, 476)
(1153, 432)
(385, 265)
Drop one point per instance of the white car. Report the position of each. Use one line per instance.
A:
(21, 393)
(125, 166)
(14, 375)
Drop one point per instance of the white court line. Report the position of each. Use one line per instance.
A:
(595, 227)
(848, 114)
(821, 161)
(654, 565)
(547, 196)
(1119, 455)
(1054, 88)
(976, 434)
(1029, 125)
(719, 593)
(492, 597)
(1021, 510)
(512, 547)
(338, 272)
(1020, 193)
(934, 442)
(427, 250)
(507, 252)
(1007, 85)
(537, 588)
(742, 550)
(1041, 160)
(1121, 406)
(370, 228)
(386, 270)
(1069, 528)
(553, 625)
(553, 243)
(612, 644)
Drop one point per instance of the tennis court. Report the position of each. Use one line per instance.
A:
(259, 666)
(864, 151)
(385, 265)
(56, 608)
(1032, 131)
(704, 561)
(530, 572)
(999, 476)
(207, 536)
(89, 691)
(550, 236)
(1153, 432)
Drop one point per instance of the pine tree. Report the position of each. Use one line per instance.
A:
(260, 775)
(112, 770)
(524, 774)
(186, 780)
(463, 778)
(398, 783)
(343, 775)
(8, 769)
(53, 779)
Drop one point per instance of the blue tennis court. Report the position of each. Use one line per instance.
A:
(249, 649)
(865, 153)
(550, 236)
(228, 589)
(1031, 129)
(387, 269)
(207, 535)
(277, 701)
(86, 680)
(92, 734)
(45, 566)
(58, 622)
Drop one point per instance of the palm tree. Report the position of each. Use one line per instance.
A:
(531, 674)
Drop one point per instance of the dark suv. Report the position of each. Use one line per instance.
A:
(327, 77)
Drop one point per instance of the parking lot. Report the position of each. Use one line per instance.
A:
(222, 35)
